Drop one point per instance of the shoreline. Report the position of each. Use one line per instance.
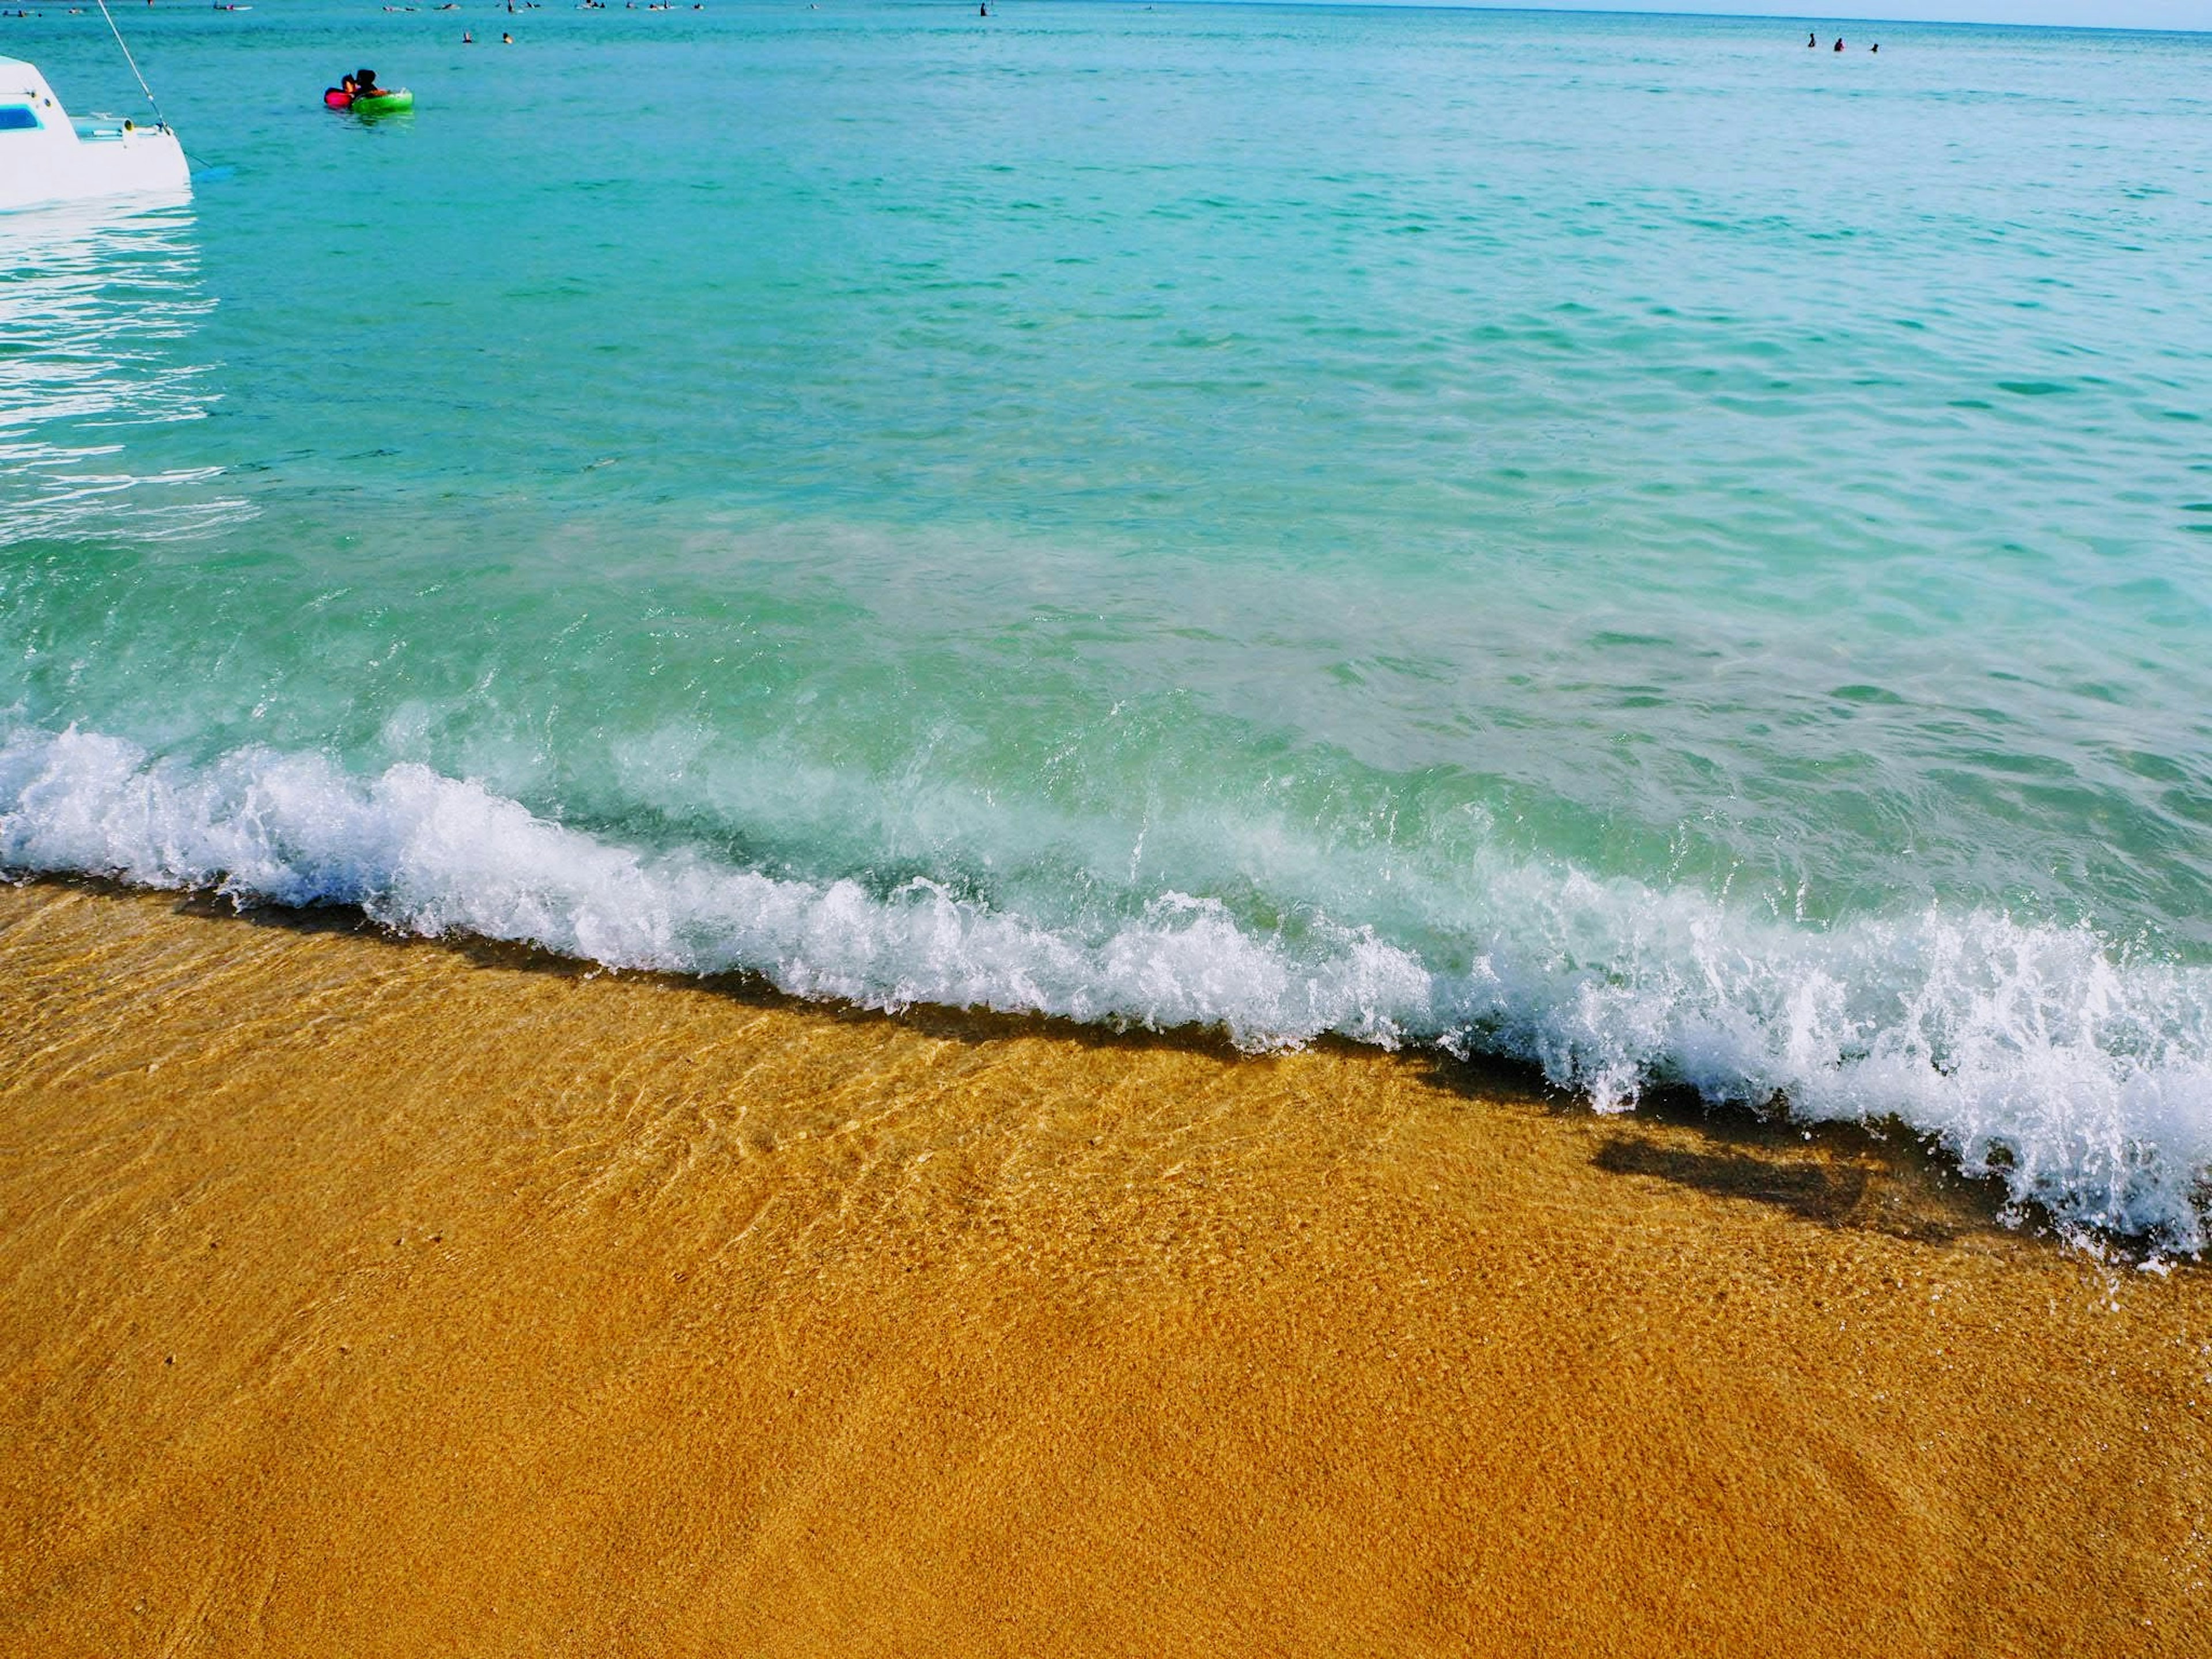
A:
(377, 1295)
(1925, 1190)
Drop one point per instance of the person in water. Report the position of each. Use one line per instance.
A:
(1840, 43)
(1812, 41)
(365, 84)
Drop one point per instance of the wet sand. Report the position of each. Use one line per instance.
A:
(364, 1296)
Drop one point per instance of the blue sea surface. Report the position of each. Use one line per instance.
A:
(1613, 541)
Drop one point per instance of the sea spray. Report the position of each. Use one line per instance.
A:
(2082, 1077)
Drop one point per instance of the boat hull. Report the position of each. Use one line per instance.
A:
(46, 156)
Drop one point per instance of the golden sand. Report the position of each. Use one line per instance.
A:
(363, 1298)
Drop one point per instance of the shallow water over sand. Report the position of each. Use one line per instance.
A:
(378, 1297)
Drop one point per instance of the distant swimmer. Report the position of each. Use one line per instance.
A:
(1876, 47)
(467, 38)
(506, 39)
(1812, 41)
(1840, 43)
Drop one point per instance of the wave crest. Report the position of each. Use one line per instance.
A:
(2083, 1078)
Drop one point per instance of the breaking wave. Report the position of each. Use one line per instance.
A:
(2042, 1053)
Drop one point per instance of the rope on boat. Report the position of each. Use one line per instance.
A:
(133, 62)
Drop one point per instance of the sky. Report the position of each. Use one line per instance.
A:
(2078, 13)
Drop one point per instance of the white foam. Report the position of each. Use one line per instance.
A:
(2084, 1078)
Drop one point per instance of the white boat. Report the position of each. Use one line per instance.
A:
(46, 155)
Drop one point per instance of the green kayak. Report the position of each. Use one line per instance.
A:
(384, 102)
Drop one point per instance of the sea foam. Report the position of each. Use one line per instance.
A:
(2082, 1077)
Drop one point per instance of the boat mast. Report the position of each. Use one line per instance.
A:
(133, 62)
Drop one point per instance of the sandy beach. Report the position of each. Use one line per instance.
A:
(372, 1297)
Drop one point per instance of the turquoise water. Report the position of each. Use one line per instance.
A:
(1615, 541)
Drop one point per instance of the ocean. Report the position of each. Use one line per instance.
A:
(1618, 543)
